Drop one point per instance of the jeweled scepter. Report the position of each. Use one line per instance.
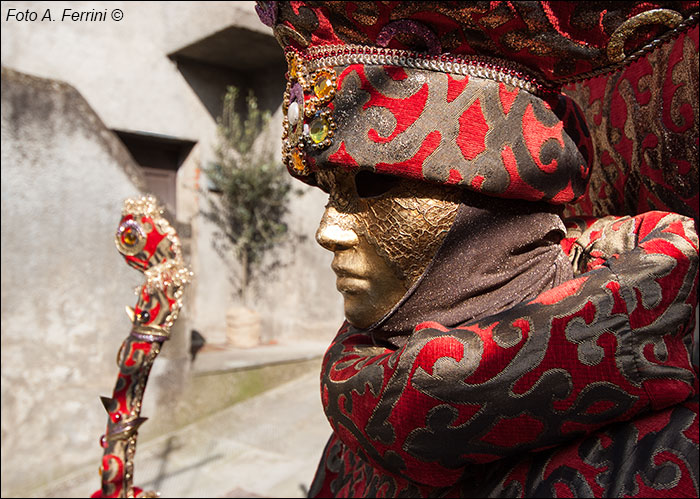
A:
(150, 244)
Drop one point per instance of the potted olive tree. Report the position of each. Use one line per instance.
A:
(247, 200)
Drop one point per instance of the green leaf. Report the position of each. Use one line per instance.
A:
(251, 192)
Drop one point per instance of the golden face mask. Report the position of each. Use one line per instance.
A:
(383, 231)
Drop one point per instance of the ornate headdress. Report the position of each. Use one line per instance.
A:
(504, 98)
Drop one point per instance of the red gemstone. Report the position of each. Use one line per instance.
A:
(103, 441)
(116, 417)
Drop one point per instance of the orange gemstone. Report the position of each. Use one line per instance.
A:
(323, 85)
(293, 69)
(130, 238)
(297, 161)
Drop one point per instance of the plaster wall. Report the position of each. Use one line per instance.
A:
(123, 71)
(64, 177)
(121, 67)
(64, 286)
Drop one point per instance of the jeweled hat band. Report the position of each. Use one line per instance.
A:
(312, 84)
(308, 123)
(583, 50)
(481, 67)
(472, 122)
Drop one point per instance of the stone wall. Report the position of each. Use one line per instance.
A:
(65, 175)
(64, 286)
(131, 74)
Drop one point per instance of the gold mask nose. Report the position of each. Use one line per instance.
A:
(334, 232)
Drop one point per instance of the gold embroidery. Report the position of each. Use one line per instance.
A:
(616, 46)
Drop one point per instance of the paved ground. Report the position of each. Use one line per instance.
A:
(267, 446)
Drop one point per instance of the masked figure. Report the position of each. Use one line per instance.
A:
(493, 347)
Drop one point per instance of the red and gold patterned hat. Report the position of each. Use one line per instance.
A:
(476, 94)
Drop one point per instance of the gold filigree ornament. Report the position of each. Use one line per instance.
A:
(308, 120)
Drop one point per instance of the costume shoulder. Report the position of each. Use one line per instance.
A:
(605, 347)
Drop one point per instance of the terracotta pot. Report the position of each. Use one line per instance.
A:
(242, 327)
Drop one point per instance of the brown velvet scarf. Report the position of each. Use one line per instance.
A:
(498, 253)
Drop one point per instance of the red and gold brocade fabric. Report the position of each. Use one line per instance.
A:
(638, 137)
(561, 41)
(585, 389)
(491, 137)
(644, 129)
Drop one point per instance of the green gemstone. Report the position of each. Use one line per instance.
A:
(318, 130)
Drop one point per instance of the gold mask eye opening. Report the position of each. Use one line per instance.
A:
(369, 184)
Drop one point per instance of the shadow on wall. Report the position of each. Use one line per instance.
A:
(233, 56)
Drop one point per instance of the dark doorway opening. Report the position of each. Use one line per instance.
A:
(159, 157)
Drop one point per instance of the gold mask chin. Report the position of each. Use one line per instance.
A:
(383, 231)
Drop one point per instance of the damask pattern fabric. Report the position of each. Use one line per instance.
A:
(634, 121)
(652, 456)
(644, 127)
(555, 373)
(491, 137)
(587, 389)
(561, 41)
